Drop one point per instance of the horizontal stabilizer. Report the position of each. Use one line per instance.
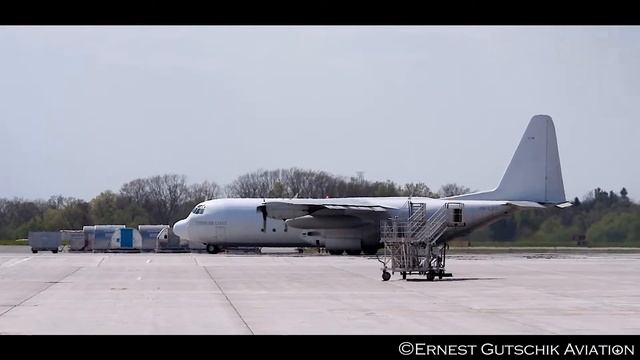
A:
(526, 204)
(564, 205)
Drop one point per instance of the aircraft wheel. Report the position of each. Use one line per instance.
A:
(34, 251)
(336, 252)
(212, 249)
(54, 251)
(404, 275)
(353, 252)
(386, 276)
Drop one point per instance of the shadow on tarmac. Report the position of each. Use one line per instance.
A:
(452, 279)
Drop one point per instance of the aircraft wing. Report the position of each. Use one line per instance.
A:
(294, 208)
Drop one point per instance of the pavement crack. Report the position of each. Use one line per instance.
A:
(228, 300)
(50, 284)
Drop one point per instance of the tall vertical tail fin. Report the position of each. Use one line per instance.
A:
(534, 172)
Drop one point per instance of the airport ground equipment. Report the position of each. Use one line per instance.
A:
(99, 236)
(89, 236)
(168, 241)
(45, 241)
(110, 238)
(126, 240)
(75, 238)
(151, 236)
(413, 246)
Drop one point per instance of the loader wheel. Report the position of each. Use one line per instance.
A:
(430, 276)
(386, 276)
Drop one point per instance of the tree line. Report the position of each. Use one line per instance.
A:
(165, 199)
(603, 218)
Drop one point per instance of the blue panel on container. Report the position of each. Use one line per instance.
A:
(126, 238)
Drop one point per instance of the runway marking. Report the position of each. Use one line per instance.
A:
(229, 300)
(14, 263)
(50, 284)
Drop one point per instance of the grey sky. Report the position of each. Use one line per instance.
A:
(85, 109)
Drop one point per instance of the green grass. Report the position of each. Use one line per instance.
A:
(24, 242)
(540, 249)
(528, 242)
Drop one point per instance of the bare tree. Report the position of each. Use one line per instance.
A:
(257, 184)
(204, 191)
(167, 194)
(419, 189)
(137, 191)
(251, 185)
(453, 189)
(298, 182)
(310, 183)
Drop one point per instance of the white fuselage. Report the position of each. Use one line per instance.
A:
(238, 222)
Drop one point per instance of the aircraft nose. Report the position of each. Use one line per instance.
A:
(181, 228)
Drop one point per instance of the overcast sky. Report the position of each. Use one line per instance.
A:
(86, 109)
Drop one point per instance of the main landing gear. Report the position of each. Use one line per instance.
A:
(212, 249)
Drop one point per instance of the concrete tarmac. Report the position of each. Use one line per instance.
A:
(69, 293)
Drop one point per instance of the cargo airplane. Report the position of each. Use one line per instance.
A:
(533, 179)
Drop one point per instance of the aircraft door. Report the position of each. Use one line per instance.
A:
(261, 213)
(221, 233)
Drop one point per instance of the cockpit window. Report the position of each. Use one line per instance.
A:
(199, 209)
